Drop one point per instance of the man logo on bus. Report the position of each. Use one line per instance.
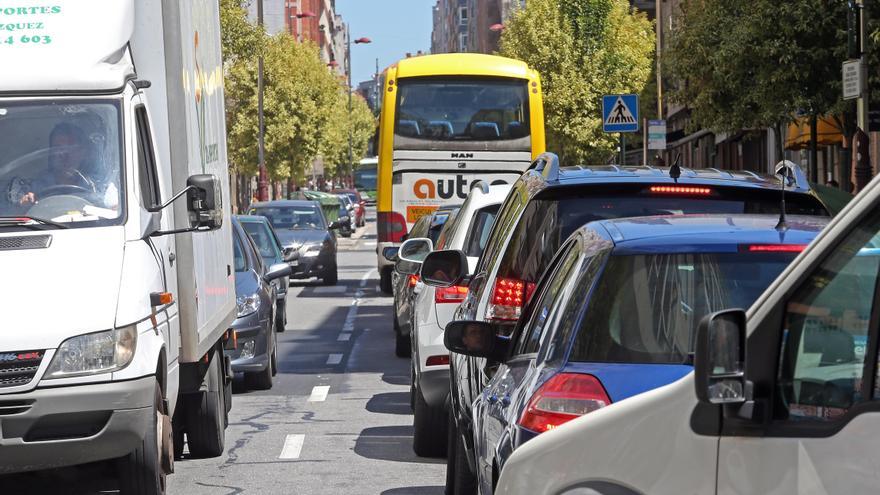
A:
(447, 188)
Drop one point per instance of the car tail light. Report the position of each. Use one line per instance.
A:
(561, 399)
(391, 226)
(413, 280)
(454, 294)
(773, 248)
(509, 295)
(438, 360)
(685, 190)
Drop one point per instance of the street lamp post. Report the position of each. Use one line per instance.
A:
(348, 69)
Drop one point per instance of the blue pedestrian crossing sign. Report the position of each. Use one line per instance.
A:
(620, 113)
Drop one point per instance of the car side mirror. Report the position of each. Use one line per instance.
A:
(720, 358)
(278, 270)
(390, 253)
(204, 202)
(412, 253)
(474, 338)
(444, 268)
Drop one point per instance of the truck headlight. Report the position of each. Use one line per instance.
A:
(93, 353)
(248, 304)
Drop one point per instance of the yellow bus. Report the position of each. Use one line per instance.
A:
(448, 121)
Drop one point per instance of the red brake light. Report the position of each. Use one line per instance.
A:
(773, 248)
(454, 294)
(412, 280)
(509, 295)
(438, 360)
(391, 226)
(689, 190)
(563, 398)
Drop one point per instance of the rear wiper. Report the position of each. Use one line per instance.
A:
(29, 221)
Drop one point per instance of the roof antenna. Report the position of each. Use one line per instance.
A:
(675, 169)
(785, 173)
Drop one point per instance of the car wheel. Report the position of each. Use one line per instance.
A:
(385, 281)
(412, 389)
(401, 345)
(429, 425)
(281, 318)
(274, 361)
(141, 472)
(331, 275)
(261, 380)
(459, 478)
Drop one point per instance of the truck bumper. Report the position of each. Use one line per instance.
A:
(65, 426)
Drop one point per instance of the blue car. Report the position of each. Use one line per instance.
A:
(615, 315)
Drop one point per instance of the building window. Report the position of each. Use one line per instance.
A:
(463, 42)
(462, 15)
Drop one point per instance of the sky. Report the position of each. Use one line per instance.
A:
(394, 26)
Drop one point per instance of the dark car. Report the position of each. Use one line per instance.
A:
(345, 222)
(309, 240)
(544, 207)
(261, 232)
(254, 325)
(615, 315)
(360, 205)
(428, 226)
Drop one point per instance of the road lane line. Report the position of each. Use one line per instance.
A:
(343, 337)
(293, 445)
(366, 277)
(334, 359)
(319, 393)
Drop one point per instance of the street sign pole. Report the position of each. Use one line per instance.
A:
(622, 148)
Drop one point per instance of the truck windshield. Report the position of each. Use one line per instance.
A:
(61, 162)
(646, 308)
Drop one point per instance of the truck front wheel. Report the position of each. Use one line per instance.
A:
(206, 413)
(142, 472)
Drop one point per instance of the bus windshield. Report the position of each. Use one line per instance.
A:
(463, 109)
(365, 178)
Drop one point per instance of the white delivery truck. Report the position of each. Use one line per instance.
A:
(117, 289)
(784, 398)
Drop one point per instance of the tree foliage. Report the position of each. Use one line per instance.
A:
(305, 106)
(583, 49)
(758, 64)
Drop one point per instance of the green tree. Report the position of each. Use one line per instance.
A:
(582, 49)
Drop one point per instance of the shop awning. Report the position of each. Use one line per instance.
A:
(799, 133)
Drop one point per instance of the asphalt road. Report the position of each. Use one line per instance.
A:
(337, 420)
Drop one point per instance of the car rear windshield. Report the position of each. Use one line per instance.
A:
(292, 217)
(263, 238)
(480, 227)
(547, 221)
(646, 308)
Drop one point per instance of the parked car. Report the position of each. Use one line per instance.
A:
(351, 208)
(614, 316)
(545, 206)
(309, 241)
(346, 228)
(404, 284)
(781, 399)
(360, 217)
(468, 230)
(261, 232)
(256, 352)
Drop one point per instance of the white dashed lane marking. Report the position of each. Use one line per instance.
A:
(293, 445)
(319, 393)
(334, 359)
(343, 337)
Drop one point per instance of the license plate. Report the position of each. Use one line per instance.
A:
(294, 263)
(414, 213)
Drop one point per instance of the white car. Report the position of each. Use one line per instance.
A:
(783, 398)
(433, 308)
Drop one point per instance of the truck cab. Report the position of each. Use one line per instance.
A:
(114, 237)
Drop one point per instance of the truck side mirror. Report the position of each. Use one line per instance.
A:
(475, 338)
(204, 202)
(720, 358)
(444, 268)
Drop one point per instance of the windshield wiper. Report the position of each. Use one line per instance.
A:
(30, 221)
